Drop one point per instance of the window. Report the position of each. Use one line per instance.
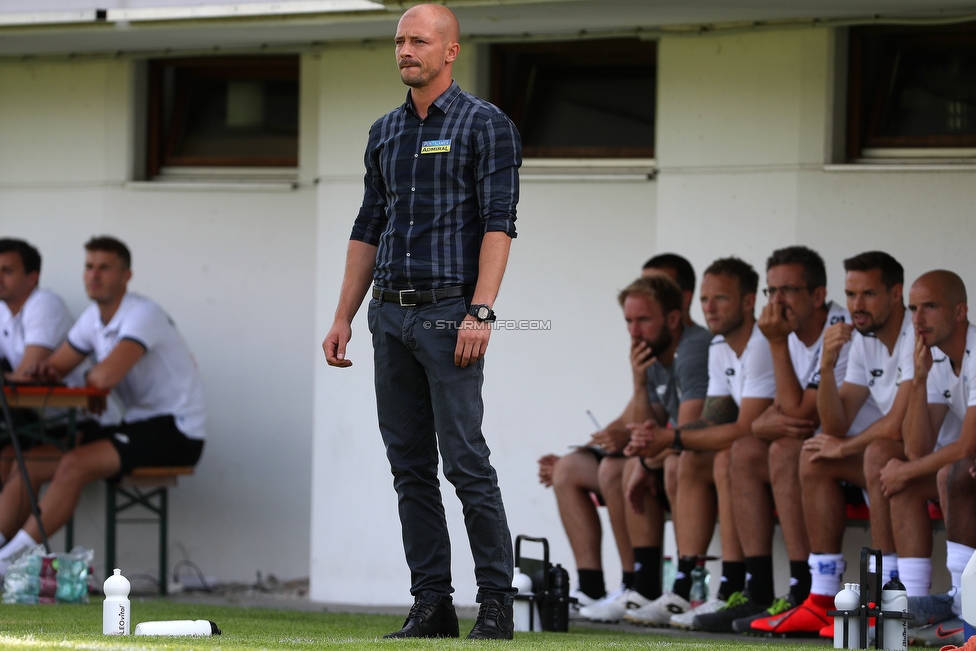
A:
(912, 92)
(222, 112)
(579, 99)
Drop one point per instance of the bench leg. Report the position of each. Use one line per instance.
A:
(109, 528)
(163, 518)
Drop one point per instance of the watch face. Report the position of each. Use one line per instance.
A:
(483, 312)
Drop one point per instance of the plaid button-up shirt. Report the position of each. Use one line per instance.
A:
(434, 187)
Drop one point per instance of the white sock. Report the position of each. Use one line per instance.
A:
(12, 549)
(825, 573)
(889, 566)
(957, 557)
(916, 575)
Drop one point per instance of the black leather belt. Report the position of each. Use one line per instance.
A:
(412, 297)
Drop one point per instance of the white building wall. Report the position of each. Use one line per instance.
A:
(234, 270)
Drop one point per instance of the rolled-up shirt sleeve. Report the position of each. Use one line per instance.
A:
(499, 149)
(372, 216)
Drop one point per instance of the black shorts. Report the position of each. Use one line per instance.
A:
(153, 442)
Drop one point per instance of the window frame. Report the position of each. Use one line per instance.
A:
(617, 52)
(862, 128)
(159, 154)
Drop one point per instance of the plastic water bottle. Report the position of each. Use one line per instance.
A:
(968, 597)
(894, 599)
(116, 610)
(699, 584)
(557, 601)
(522, 607)
(848, 599)
(197, 627)
(667, 574)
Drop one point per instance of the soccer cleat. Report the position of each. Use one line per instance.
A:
(720, 621)
(613, 607)
(805, 620)
(686, 620)
(658, 612)
(949, 631)
(778, 607)
(932, 609)
(582, 600)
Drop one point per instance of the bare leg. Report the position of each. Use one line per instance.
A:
(41, 463)
(751, 499)
(574, 478)
(910, 518)
(823, 499)
(696, 502)
(644, 529)
(960, 498)
(784, 473)
(877, 454)
(611, 486)
(671, 463)
(731, 547)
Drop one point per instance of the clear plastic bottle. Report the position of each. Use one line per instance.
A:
(667, 574)
(116, 610)
(848, 599)
(197, 627)
(699, 584)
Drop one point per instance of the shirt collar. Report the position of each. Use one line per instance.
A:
(442, 103)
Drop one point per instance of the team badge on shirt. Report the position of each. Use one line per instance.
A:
(435, 146)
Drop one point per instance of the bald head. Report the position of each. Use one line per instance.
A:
(442, 19)
(951, 286)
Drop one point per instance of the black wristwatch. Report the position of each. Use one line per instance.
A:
(676, 443)
(482, 313)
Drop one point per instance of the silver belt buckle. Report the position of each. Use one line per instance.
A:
(414, 298)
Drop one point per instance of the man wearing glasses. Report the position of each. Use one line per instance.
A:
(794, 321)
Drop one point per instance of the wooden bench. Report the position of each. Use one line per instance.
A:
(146, 487)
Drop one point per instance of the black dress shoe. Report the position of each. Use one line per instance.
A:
(429, 620)
(494, 622)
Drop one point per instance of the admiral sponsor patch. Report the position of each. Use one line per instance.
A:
(435, 146)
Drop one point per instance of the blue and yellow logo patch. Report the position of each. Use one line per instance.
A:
(435, 146)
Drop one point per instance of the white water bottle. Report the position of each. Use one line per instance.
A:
(522, 608)
(116, 613)
(197, 627)
(968, 589)
(848, 599)
(894, 599)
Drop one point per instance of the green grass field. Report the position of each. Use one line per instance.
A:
(64, 627)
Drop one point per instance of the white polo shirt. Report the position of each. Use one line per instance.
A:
(43, 320)
(871, 365)
(958, 392)
(165, 380)
(750, 375)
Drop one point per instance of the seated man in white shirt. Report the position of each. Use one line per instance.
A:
(139, 354)
(33, 323)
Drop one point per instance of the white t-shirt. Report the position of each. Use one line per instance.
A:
(43, 320)
(957, 392)
(165, 380)
(748, 376)
(871, 365)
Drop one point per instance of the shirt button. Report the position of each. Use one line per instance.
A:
(408, 255)
(411, 222)
(413, 189)
(416, 155)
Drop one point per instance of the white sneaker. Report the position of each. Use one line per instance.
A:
(659, 611)
(582, 600)
(612, 607)
(686, 619)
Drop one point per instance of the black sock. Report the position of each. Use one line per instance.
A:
(628, 580)
(759, 579)
(591, 583)
(647, 571)
(682, 578)
(733, 579)
(800, 580)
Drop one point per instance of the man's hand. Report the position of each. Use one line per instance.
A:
(646, 439)
(640, 484)
(335, 342)
(472, 341)
(45, 372)
(923, 359)
(773, 324)
(641, 359)
(546, 465)
(824, 446)
(893, 477)
(835, 337)
(612, 440)
(773, 424)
